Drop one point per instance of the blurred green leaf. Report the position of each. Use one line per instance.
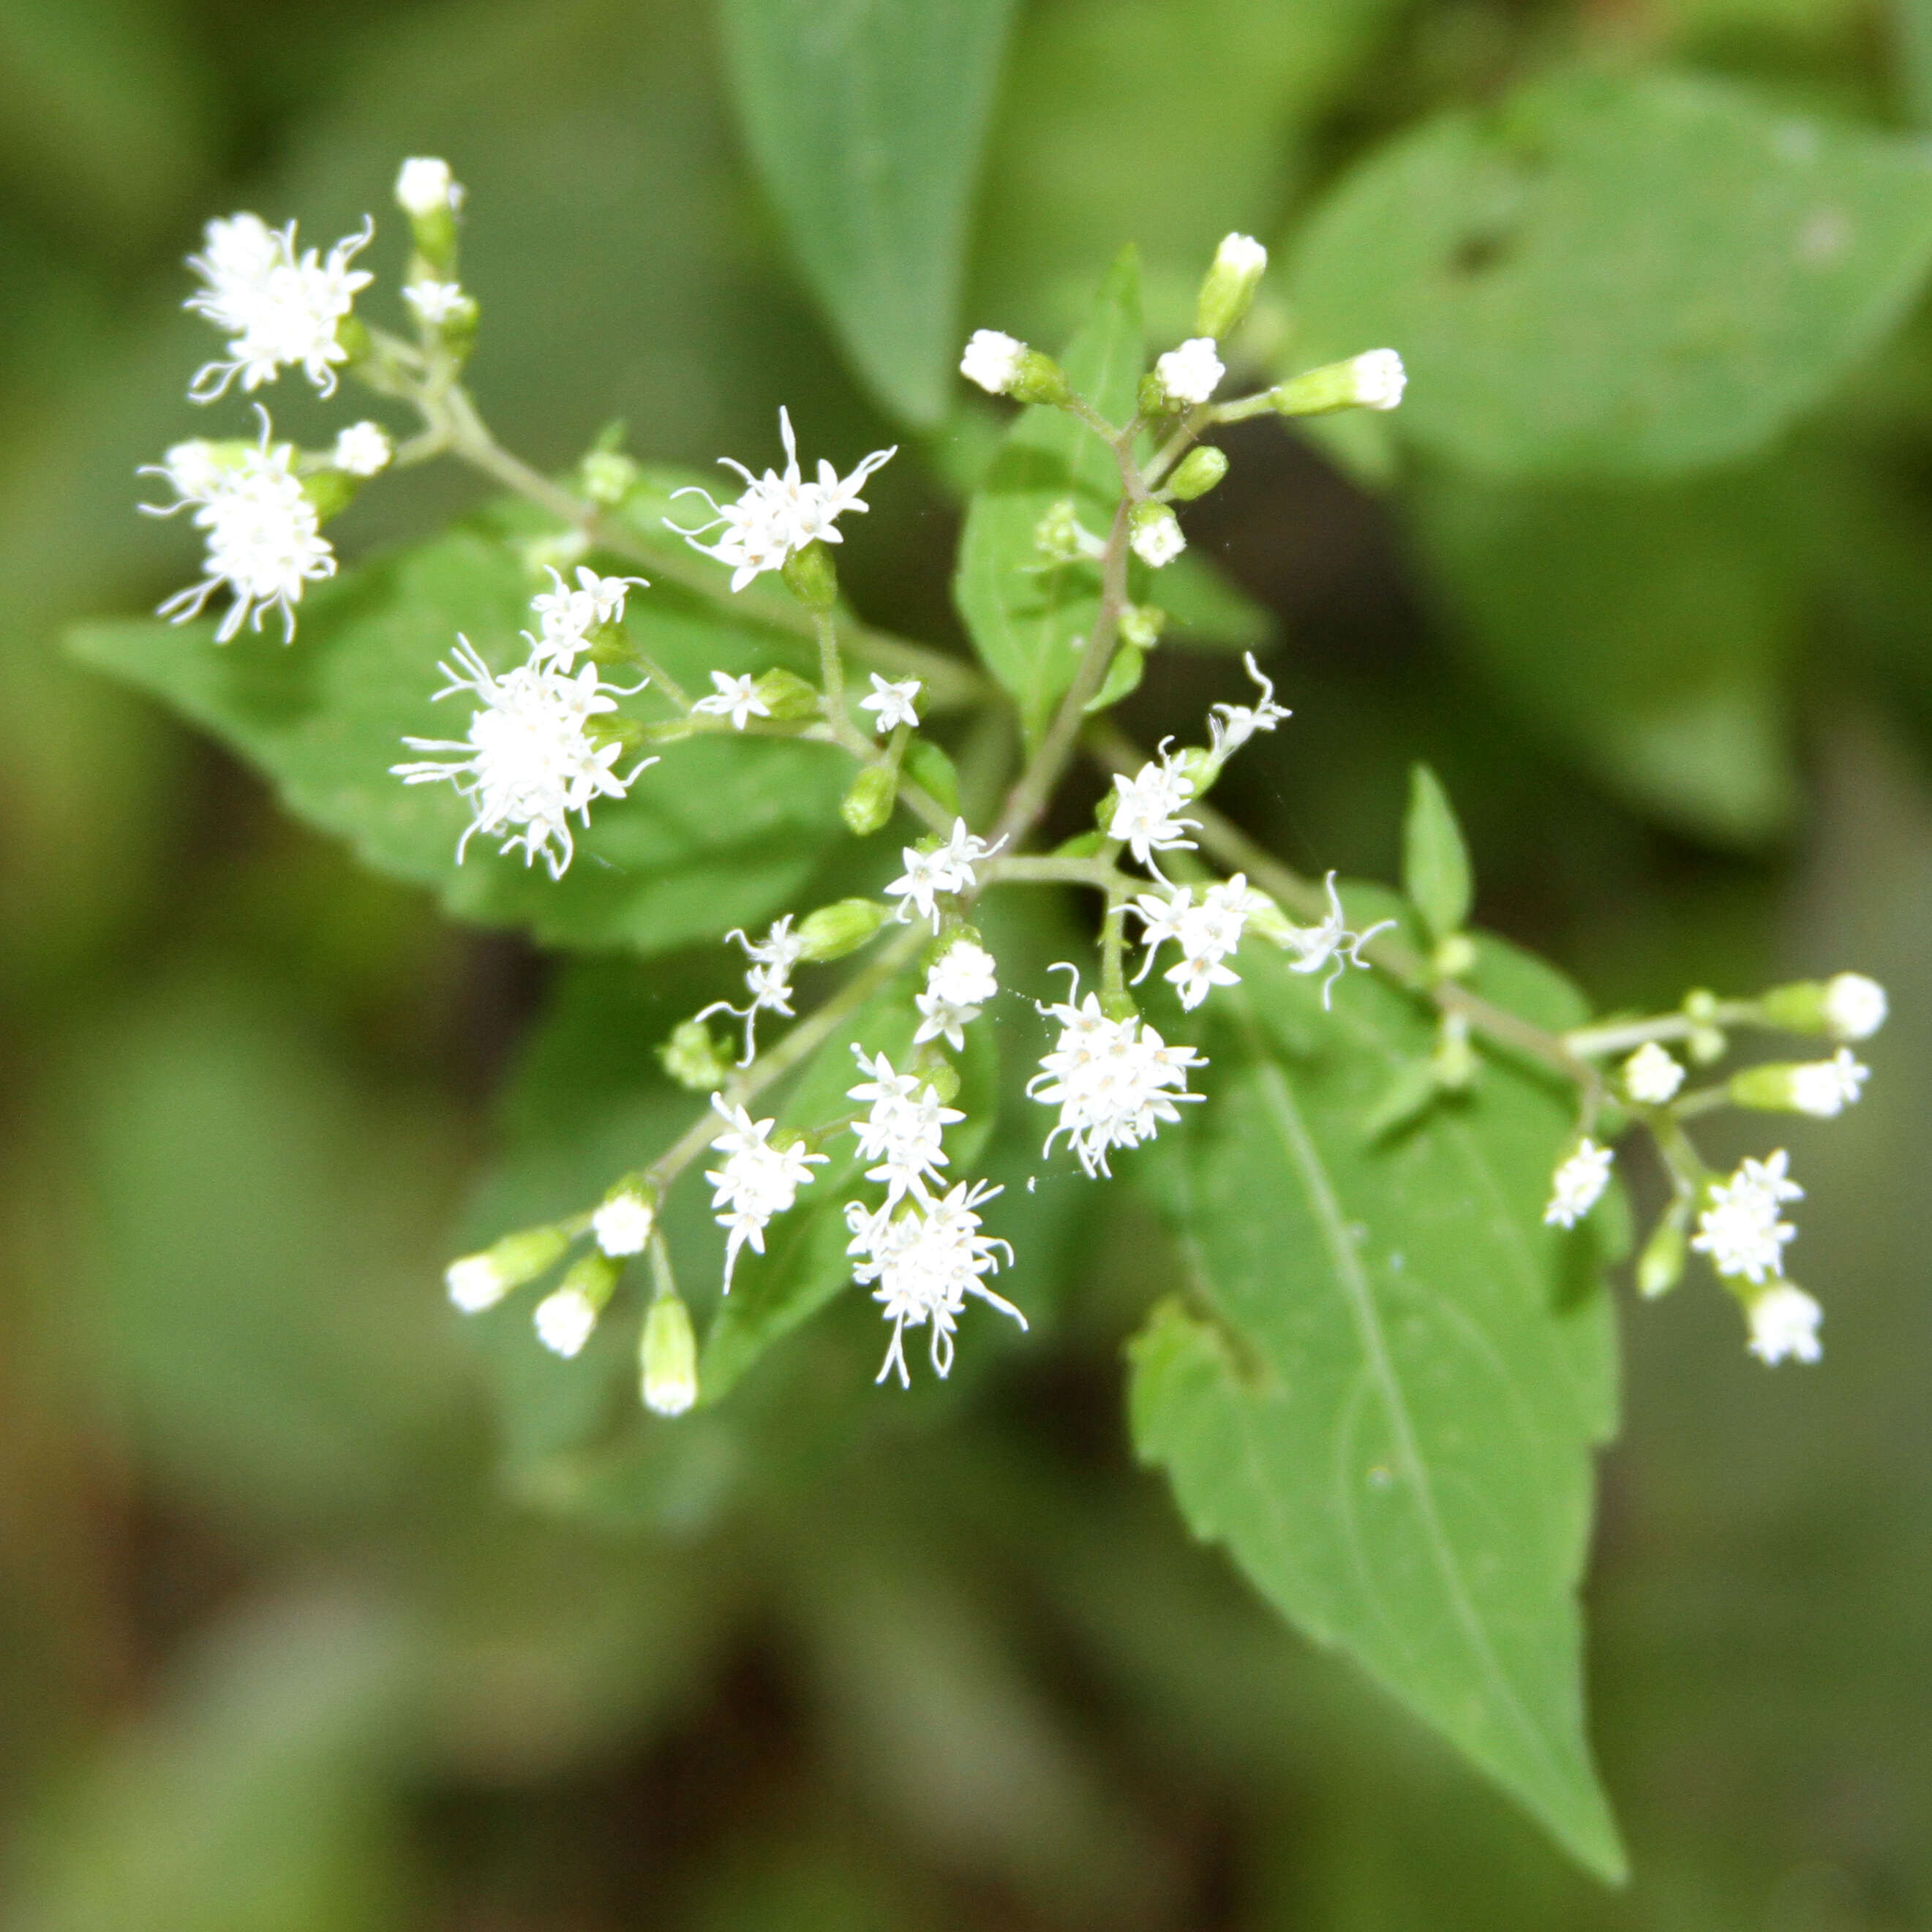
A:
(1434, 861)
(1028, 620)
(719, 833)
(1203, 609)
(1383, 1392)
(867, 121)
(1645, 631)
(1617, 277)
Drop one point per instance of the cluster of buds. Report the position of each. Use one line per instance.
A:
(1737, 1221)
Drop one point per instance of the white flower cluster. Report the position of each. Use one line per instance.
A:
(530, 759)
(958, 985)
(923, 1248)
(767, 979)
(1114, 1081)
(947, 869)
(755, 1181)
(1784, 1324)
(992, 360)
(1740, 1228)
(1651, 1076)
(1147, 811)
(778, 515)
(278, 309)
(567, 616)
(1206, 930)
(1578, 1184)
(264, 535)
(1192, 373)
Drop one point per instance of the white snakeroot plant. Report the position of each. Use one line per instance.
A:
(549, 737)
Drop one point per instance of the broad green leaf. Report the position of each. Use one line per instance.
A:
(1646, 632)
(1203, 609)
(867, 120)
(719, 833)
(1434, 861)
(1382, 1391)
(1617, 276)
(1028, 622)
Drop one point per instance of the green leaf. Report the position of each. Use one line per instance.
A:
(1617, 276)
(1644, 632)
(719, 833)
(1383, 1391)
(867, 121)
(1203, 609)
(1434, 861)
(1028, 623)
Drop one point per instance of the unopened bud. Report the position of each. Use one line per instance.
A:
(1373, 381)
(426, 193)
(363, 449)
(943, 1078)
(835, 930)
(869, 803)
(1198, 766)
(1847, 1006)
(1154, 531)
(332, 491)
(693, 1059)
(1454, 1062)
(1706, 1046)
(1660, 1267)
(1039, 379)
(623, 1220)
(566, 1317)
(1230, 286)
(785, 695)
(1141, 625)
(608, 476)
(669, 1355)
(993, 359)
(1454, 955)
(810, 577)
(478, 1282)
(1198, 473)
(1822, 1088)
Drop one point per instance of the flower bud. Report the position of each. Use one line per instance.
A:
(608, 476)
(785, 695)
(811, 577)
(1198, 765)
(1454, 1062)
(1141, 625)
(693, 1059)
(426, 193)
(1230, 286)
(993, 359)
(1040, 379)
(943, 1078)
(1154, 531)
(332, 491)
(869, 803)
(1188, 376)
(1198, 473)
(669, 1357)
(363, 449)
(835, 930)
(1847, 1006)
(566, 1317)
(1373, 381)
(478, 1282)
(1822, 1088)
(622, 1221)
(1660, 1267)
(1454, 955)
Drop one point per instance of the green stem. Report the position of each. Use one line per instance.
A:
(1622, 1035)
(1242, 408)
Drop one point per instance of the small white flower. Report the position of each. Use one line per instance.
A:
(1114, 1081)
(1331, 943)
(1578, 1184)
(530, 761)
(959, 985)
(264, 541)
(893, 702)
(903, 1131)
(1740, 1229)
(278, 309)
(424, 187)
(564, 1320)
(434, 303)
(767, 979)
(1230, 726)
(1147, 811)
(1207, 933)
(736, 698)
(1854, 1006)
(1826, 1088)
(926, 1260)
(1380, 379)
(948, 868)
(474, 1284)
(992, 359)
(755, 1182)
(1651, 1076)
(1156, 539)
(566, 615)
(776, 514)
(1192, 373)
(1784, 1324)
(1240, 255)
(622, 1225)
(363, 449)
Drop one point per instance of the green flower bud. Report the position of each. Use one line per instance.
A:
(1455, 956)
(1040, 379)
(1199, 471)
(693, 1059)
(1373, 381)
(1822, 1088)
(1454, 1062)
(426, 193)
(869, 803)
(835, 930)
(787, 695)
(332, 491)
(1660, 1267)
(1141, 625)
(566, 1317)
(943, 1077)
(1847, 1006)
(1230, 286)
(608, 476)
(669, 1356)
(478, 1282)
(1152, 398)
(811, 577)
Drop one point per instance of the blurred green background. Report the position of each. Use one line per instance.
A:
(279, 1652)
